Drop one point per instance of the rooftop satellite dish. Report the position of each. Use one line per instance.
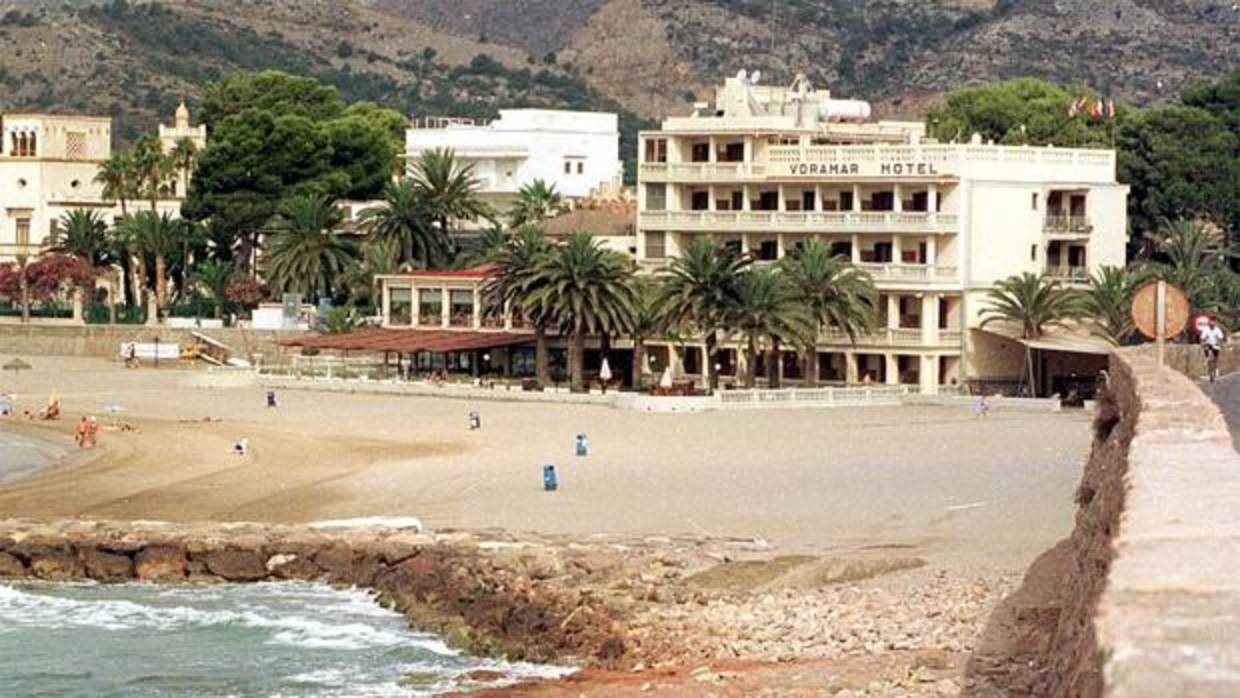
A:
(757, 75)
(741, 74)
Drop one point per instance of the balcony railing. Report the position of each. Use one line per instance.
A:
(1075, 275)
(800, 221)
(1067, 225)
(909, 272)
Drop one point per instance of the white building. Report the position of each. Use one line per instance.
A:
(936, 225)
(577, 152)
(47, 168)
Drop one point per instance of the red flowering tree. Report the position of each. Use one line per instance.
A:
(245, 292)
(46, 278)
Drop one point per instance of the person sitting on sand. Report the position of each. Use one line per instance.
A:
(52, 411)
(241, 447)
(92, 433)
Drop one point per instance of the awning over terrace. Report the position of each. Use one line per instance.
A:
(1061, 340)
(410, 341)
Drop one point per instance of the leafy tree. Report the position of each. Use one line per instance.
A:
(268, 91)
(647, 323)
(363, 153)
(1181, 162)
(700, 292)
(536, 202)
(340, 319)
(403, 217)
(767, 308)
(183, 156)
(83, 234)
(1033, 303)
(1020, 111)
(448, 189)
(382, 119)
(245, 292)
(483, 248)
(586, 291)
(515, 284)
(253, 161)
(152, 169)
(306, 253)
(833, 292)
(375, 257)
(1108, 303)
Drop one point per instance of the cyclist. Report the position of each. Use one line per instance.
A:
(1211, 341)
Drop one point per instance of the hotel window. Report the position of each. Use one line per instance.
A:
(430, 306)
(700, 152)
(400, 306)
(581, 168)
(846, 201)
(23, 231)
(568, 167)
(656, 197)
(656, 150)
(462, 308)
(1033, 253)
(1034, 201)
(656, 244)
(699, 201)
(730, 152)
(768, 250)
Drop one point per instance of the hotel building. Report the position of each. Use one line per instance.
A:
(765, 169)
(48, 165)
(577, 152)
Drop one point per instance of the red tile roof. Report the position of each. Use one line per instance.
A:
(412, 340)
(481, 272)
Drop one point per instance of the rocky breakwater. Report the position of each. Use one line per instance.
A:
(450, 584)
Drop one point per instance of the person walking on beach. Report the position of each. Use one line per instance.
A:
(271, 400)
(92, 433)
(983, 405)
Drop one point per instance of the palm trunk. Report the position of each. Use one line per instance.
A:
(639, 360)
(577, 361)
(117, 284)
(810, 368)
(161, 281)
(1033, 381)
(751, 358)
(775, 364)
(540, 355)
(712, 348)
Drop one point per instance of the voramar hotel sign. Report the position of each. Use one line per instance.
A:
(864, 169)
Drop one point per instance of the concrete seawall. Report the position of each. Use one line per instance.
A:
(104, 341)
(1150, 595)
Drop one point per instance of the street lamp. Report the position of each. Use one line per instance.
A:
(156, 351)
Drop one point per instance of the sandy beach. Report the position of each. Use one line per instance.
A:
(935, 480)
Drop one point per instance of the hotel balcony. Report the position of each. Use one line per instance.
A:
(800, 221)
(1069, 275)
(910, 272)
(1070, 226)
(909, 337)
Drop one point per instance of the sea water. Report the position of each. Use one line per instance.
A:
(291, 639)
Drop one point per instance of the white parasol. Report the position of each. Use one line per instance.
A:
(604, 371)
(665, 381)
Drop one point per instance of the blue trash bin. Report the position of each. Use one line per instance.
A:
(549, 483)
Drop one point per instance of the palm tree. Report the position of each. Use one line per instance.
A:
(1194, 256)
(183, 155)
(83, 234)
(448, 189)
(767, 306)
(152, 168)
(700, 291)
(154, 235)
(306, 254)
(586, 290)
(834, 292)
(646, 324)
(118, 176)
(1108, 303)
(213, 278)
(483, 248)
(375, 257)
(1035, 304)
(536, 202)
(403, 217)
(515, 283)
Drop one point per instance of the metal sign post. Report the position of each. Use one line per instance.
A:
(1160, 308)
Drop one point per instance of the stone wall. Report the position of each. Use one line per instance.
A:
(467, 592)
(104, 341)
(1150, 594)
